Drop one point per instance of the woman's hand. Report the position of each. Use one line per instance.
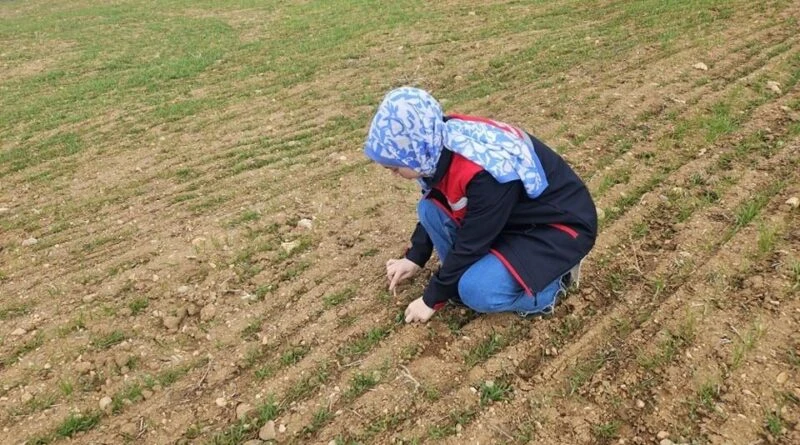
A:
(398, 270)
(417, 310)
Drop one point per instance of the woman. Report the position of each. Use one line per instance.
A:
(507, 216)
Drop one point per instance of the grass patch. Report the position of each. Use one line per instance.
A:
(308, 384)
(338, 298)
(485, 349)
(75, 325)
(584, 371)
(15, 310)
(294, 355)
(250, 332)
(138, 305)
(363, 343)
(78, 422)
(491, 391)
(745, 343)
(669, 345)
(30, 345)
(361, 383)
(109, 340)
(774, 424)
(605, 432)
(321, 417)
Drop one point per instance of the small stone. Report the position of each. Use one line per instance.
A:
(221, 402)
(47, 366)
(18, 332)
(601, 214)
(666, 442)
(4, 209)
(774, 86)
(83, 367)
(129, 429)
(282, 428)
(88, 298)
(639, 404)
(243, 410)
(198, 241)
(172, 323)
(105, 403)
(26, 397)
(121, 360)
(146, 393)
(782, 378)
(29, 242)
(662, 435)
(267, 432)
(332, 442)
(700, 66)
(192, 309)
(305, 223)
(208, 312)
(793, 202)
(289, 246)
(184, 289)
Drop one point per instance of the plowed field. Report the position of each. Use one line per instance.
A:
(192, 244)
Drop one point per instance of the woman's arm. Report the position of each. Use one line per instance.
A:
(489, 205)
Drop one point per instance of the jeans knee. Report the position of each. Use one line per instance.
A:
(426, 212)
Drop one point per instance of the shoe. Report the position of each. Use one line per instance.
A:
(573, 277)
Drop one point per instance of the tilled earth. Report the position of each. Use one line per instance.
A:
(211, 307)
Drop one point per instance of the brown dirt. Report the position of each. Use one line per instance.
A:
(687, 327)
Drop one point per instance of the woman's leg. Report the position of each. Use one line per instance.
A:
(487, 286)
(440, 227)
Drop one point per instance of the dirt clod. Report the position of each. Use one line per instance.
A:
(775, 87)
(18, 332)
(267, 432)
(29, 242)
(129, 429)
(700, 66)
(289, 246)
(208, 312)
(172, 323)
(243, 410)
(793, 202)
(105, 403)
(662, 435)
(782, 378)
(83, 367)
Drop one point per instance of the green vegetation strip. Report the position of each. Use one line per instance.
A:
(133, 392)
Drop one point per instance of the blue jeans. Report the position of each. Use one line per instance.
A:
(487, 286)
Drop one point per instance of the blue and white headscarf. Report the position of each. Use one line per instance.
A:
(409, 131)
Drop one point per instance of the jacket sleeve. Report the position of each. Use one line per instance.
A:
(421, 247)
(489, 204)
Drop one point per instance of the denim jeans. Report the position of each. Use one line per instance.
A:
(487, 286)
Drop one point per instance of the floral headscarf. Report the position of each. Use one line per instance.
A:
(409, 131)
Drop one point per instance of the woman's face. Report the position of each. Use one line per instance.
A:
(404, 172)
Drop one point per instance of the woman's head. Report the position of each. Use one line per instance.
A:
(406, 132)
